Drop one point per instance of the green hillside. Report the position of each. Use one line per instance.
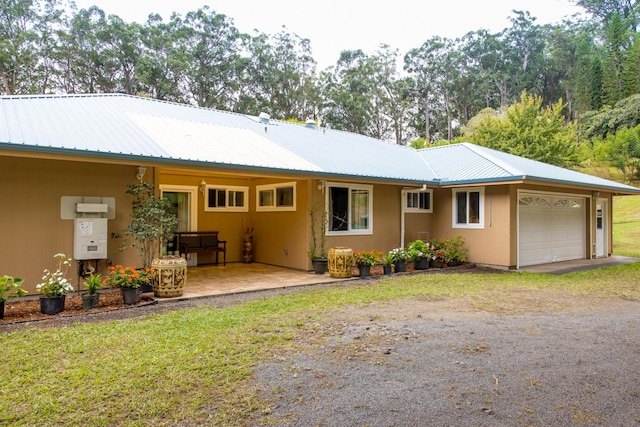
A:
(626, 225)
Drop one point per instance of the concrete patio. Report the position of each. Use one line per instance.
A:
(211, 280)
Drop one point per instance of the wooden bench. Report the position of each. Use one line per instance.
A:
(201, 242)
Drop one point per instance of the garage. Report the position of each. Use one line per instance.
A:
(551, 228)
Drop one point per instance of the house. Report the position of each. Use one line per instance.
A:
(67, 159)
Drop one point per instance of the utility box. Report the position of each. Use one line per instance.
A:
(90, 238)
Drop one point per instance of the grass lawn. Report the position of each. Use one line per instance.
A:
(194, 367)
(626, 226)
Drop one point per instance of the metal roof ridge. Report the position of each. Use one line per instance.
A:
(482, 151)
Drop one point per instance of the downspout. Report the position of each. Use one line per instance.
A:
(402, 211)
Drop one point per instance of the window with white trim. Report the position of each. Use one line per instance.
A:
(350, 209)
(226, 198)
(418, 201)
(276, 197)
(468, 208)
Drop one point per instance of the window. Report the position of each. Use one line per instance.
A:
(226, 198)
(418, 201)
(277, 197)
(468, 208)
(350, 209)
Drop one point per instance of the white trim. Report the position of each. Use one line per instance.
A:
(454, 208)
(274, 188)
(405, 193)
(193, 200)
(227, 208)
(350, 187)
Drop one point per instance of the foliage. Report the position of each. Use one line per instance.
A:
(419, 249)
(367, 257)
(127, 277)
(55, 284)
(387, 259)
(10, 287)
(621, 150)
(93, 283)
(399, 254)
(529, 130)
(152, 221)
(625, 114)
(318, 249)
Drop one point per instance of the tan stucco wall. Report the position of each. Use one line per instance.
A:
(491, 245)
(31, 228)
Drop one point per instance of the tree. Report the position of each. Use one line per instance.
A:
(279, 77)
(163, 61)
(530, 130)
(26, 33)
(213, 42)
(621, 150)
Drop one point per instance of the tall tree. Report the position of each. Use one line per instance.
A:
(214, 44)
(163, 60)
(530, 130)
(26, 30)
(279, 77)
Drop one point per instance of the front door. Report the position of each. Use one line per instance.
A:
(601, 228)
(184, 201)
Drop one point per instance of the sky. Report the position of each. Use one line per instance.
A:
(336, 25)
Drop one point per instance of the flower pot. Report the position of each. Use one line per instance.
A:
(147, 287)
(453, 263)
(320, 265)
(90, 301)
(421, 264)
(52, 305)
(365, 270)
(387, 269)
(130, 295)
(436, 263)
(2, 309)
(401, 266)
(340, 262)
(169, 276)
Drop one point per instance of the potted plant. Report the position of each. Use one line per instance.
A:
(318, 249)
(91, 298)
(454, 251)
(400, 257)
(387, 263)
(128, 279)
(419, 251)
(437, 254)
(9, 287)
(365, 259)
(153, 222)
(55, 286)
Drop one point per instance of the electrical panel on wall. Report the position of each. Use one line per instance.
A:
(90, 238)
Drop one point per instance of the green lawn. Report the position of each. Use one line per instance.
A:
(193, 367)
(626, 225)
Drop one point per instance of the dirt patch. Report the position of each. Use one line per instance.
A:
(426, 362)
(28, 310)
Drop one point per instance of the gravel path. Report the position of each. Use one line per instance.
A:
(423, 364)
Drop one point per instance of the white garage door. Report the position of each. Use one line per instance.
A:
(551, 228)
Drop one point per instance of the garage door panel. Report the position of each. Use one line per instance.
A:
(551, 229)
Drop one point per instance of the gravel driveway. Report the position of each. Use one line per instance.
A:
(420, 363)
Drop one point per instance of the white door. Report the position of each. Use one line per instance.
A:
(601, 228)
(551, 228)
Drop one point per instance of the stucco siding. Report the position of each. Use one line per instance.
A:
(32, 229)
